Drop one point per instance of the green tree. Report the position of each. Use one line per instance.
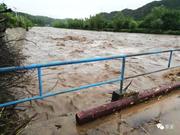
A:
(14, 20)
(154, 18)
(3, 7)
(97, 22)
(162, 18)
(171, 20)
(123, 22)
(118, 21)
(133, 24)
(59, 24)
(75, 23)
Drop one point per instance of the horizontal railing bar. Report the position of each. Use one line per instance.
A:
(175, 50)
(110, 81)
(9, 69)
(118, 79)
(148, 53)
(20, 101)
(49, 94)
(84, 87)
(145, 74)
(130, 77)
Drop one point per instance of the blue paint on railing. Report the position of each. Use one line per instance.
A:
(60, 63)
(40, 81)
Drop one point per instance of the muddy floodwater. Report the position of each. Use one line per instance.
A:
(56, 115)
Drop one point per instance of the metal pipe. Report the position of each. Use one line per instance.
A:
(109, 108)
(8, 69)
(20, 101)
(170, 58)
(49, 94)
(122, 74)
(130, 77)
(40, 81)
(148, 53)
(39, 66)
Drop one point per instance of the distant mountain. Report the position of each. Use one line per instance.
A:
(137, 14)
(144, 10)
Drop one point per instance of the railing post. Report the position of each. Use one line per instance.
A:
(40, 81)
(122, 74)
(170, 58)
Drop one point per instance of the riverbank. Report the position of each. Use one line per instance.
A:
(11, 55)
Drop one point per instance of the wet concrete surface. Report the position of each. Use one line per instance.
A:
(159, 116)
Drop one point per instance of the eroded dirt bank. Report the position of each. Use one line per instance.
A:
(56, 114)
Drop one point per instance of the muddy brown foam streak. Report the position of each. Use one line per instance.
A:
(106, 109)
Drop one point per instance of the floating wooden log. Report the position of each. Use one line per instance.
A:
(106, 109)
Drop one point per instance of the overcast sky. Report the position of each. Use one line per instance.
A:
(72, 8)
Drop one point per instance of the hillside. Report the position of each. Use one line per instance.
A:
(38, 20)
(137, 14)
(164, 18)
(146, 9)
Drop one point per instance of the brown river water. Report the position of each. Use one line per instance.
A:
(56, 115)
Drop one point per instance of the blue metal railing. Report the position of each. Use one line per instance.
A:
(120, 79)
